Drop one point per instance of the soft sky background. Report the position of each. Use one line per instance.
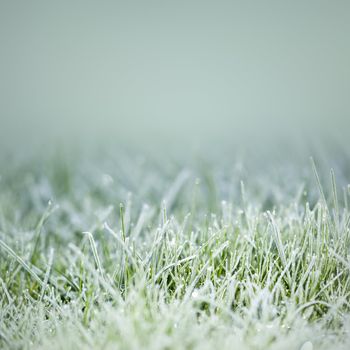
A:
(176, 71)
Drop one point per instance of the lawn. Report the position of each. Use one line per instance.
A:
(122, 250)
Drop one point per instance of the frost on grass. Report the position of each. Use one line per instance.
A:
(192, 259)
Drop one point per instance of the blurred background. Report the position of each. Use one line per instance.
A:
(173, 73)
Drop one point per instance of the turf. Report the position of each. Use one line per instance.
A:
(124, 251)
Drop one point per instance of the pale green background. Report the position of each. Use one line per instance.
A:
(176, 71)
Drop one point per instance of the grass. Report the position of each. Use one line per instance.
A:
(130, 252)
